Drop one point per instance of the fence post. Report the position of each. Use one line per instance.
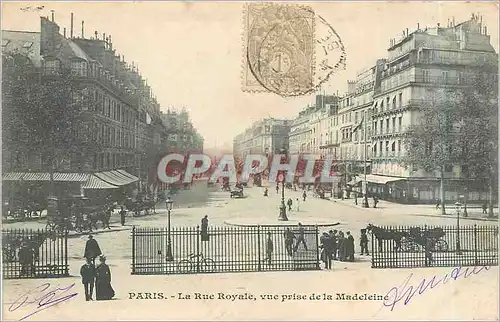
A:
(66, 265)
(317, 246)
(198, 235)
(258, 250)
(475, 245)
(133, 250)
(373, 252)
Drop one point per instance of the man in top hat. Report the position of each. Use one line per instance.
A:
(92, 249)
(87, 272)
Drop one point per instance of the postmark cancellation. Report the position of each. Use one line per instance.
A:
(279, 49)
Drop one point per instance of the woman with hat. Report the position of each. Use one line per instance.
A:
(103, 289)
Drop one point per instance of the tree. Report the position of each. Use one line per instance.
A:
(457, 127)
(49, 115)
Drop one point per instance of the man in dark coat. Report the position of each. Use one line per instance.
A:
(92, 249)
(26, 260)
(304, 196)
(333, 240)
(269, 248)
(289, 237)
(289, 203)
(326, 253)
(122, 215)
(300, 238)
(204, 228)
(87, 271)
(350, 247)
(364, 242)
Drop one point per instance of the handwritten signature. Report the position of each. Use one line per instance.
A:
(41, 298)
(406, 292)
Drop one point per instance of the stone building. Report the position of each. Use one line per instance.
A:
(267, 136)
(418, 63)
(120, 110)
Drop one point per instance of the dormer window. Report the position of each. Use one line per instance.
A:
(79, 68)
(28, 44)
(52, 67)
(5, 42)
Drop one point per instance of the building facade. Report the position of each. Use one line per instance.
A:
(118, 106)
(267, 136)
(418, 63)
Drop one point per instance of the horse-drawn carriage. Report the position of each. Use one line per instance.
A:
(147, 205)
(79, 214)
(414, 240)
(21, 209)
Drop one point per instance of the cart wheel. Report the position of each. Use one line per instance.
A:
(185, 266)
(207, 265)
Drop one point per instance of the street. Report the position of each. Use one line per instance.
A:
(193, 205)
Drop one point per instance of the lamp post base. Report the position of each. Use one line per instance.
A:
(459, 252)
(282, 216)
(365, 203)
(169, 257)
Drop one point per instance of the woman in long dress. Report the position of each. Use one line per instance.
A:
(103, 289)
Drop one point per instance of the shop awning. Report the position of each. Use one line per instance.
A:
(372, 178)
(45, 176)
(95, 183)
(115, 178)
(125, 173)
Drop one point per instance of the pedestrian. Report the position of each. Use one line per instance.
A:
(26, 260)
(266, 192)
(375, 201)
(297, 207)
(326, 252)
(92, 249)
(289, 203)
(356, 199)
(485, 208)
(103, 289)
(363, 242)
(204, 228)
(88, 271)
(277, 188)
(333, 239)
(438, 203)
(350, 247)
(123, 212)
(300, 238)
(304, 196)
(269, 248)
(289, 238)
(341, 246)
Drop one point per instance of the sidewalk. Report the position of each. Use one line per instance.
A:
(474, 212)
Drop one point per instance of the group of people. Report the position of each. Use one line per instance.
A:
(98, 276)
(335, 245)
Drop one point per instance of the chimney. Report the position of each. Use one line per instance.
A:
(95, 35)
(418, 26)
(71, 29)
(485, 30)
(453, 21)
(52, 11)
(438, 24)
(64, 32)
(407, 32)
(104, 36)
(110, 43)
(83, 36)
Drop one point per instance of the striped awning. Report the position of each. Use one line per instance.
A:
(12, 176)
(125, 173)
(45, 176)
(115, 178)
(95, 183)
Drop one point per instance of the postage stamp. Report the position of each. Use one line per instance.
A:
(288, 49)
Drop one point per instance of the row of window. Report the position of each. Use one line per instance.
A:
(114, 137)
(390, 148)
(380, 130)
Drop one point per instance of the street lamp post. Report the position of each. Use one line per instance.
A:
(457, 207)
(465, 202)
(282, 216)
(365, 189)
(169, 203)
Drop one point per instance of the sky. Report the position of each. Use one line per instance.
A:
(191, 52)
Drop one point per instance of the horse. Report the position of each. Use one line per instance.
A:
(384, 234)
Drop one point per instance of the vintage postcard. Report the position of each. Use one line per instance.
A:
(253, 160)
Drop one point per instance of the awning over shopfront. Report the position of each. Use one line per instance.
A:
(95, 183)
(373, 178)
(116, 178)
(45, 176)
